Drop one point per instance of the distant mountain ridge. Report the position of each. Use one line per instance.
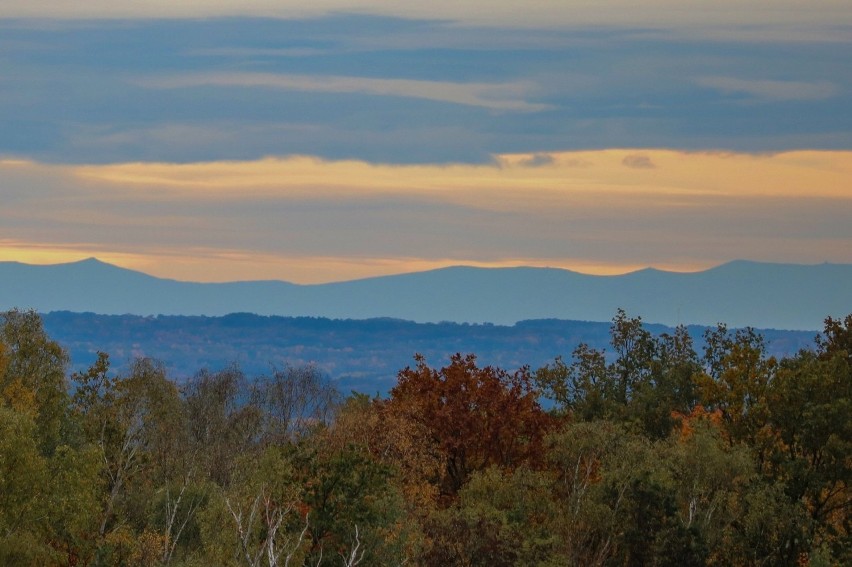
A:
(362, 355)
(739, 293)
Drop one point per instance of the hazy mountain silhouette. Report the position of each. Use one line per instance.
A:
(739, 293)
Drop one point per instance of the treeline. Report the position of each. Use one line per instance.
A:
(645, 454)
(360, 355)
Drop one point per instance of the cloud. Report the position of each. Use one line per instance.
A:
(383, 91)
(775, 91)
(306, 219)
(537, 160)
(493, 96)
(725, 17)
(638, 161)
(251, 52)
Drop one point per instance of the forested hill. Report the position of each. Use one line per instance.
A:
(362, 355)
(781, 296)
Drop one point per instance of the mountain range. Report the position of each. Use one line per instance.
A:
(739, 293)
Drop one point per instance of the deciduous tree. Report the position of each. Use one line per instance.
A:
(478, 417)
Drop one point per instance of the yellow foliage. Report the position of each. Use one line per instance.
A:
(20, 398)
(148, 550)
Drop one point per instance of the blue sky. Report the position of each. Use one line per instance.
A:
(393, 84)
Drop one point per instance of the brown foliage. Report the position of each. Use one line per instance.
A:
(477, 417)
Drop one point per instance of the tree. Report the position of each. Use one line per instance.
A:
(403, 445)
(501, 518)
(73, 492)
(705, 475)
(669, 388)
(355, 513)
(136, 424)
(584, 388)
(736, 380)
(221, 422)
(33, 380)
(647, 379)
(634, 348)
(259, 519)
(810, 413)
(594, 465)
(477, 417)
(293, 401)
(23, 476)
(836, 338)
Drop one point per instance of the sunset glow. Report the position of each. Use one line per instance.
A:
(198, 221)
(342, 139)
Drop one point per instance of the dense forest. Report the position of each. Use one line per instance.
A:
(648, 453)
(357, 354)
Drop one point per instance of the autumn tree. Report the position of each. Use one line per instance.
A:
(477, 417)
(404, 445)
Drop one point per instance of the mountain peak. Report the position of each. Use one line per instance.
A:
(91, 261)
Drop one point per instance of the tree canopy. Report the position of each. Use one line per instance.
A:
(646, 453)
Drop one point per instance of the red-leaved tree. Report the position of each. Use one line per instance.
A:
(477, 417)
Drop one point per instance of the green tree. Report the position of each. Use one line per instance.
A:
(23, 506)
(135, 423)
(584, 388)
(33, 380)
(73, 493)
(356, 513)
(737, 376)
(501, 518)
(259, 518)
(647, 379)
(810, 408)
(635, 349)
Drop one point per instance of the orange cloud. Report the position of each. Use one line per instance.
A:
(307, 220)
(522, 178)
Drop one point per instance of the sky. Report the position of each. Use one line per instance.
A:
(337, 139)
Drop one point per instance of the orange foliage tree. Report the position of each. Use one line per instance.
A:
(477, 417)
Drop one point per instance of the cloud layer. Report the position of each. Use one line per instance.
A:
(324, 140)
(396, 90)
(653, 14)
(306, 219)
(493, 96)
